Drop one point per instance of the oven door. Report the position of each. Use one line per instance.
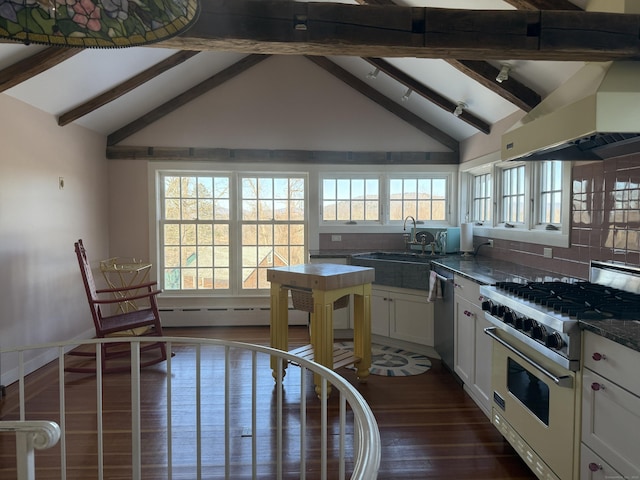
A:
(534, 403)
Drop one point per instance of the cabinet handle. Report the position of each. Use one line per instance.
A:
(598, 356)
(595, 386)
(594, 467)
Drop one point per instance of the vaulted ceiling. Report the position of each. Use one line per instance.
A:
(438, 58)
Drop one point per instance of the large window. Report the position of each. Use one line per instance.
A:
(202, 214)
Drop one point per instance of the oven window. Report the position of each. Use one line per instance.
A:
(531, 391)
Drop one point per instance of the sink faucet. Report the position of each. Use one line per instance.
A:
(413, 233)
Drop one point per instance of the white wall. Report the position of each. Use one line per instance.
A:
(41, 293)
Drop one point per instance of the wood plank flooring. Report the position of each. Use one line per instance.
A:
(430, 429)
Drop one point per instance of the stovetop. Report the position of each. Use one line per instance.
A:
(579, 301)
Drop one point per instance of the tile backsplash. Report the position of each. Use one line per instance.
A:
(605, 224)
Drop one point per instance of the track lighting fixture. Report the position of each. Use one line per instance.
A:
(407, 94)
(461, 107)
(504, 74)
(372, 75)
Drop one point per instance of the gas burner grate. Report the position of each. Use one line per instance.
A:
(581, 300)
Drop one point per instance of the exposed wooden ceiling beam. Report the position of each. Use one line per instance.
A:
(426, 92)
(315, 28)
(33, 65)
(391, 106)
(184, 98)
(542, 4)
(124, 152)
(125, 87)
(484, 73)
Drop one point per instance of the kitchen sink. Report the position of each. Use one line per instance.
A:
(398, 269)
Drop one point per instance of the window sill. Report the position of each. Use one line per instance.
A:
(538, 236)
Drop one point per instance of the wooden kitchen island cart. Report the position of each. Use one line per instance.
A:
(323, 284)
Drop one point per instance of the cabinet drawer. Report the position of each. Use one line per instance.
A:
(613, 361)
(468, 289)
(611, 423)
(592, 467)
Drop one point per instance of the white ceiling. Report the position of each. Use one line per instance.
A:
(93, 72)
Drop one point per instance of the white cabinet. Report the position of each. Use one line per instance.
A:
(342, 316)
(610, 408)
(472, 347)
(402, 314)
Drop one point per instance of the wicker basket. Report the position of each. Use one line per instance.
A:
(303, 300)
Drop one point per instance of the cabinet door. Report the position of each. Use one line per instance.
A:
(380, 312)
(464, 340)
(411, 318)
(611, 423)
(482, 368)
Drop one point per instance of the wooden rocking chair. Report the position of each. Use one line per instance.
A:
(143, 321)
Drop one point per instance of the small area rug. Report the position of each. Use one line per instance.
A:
(393, 362)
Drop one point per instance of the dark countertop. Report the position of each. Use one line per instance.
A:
(485, 270)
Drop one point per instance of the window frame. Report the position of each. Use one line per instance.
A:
(384, 181)
(531, 230)
(236, 222)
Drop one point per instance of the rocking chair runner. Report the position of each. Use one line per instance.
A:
(145, 319)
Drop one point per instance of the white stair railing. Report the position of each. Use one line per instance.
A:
(30, 436)
(361, 454)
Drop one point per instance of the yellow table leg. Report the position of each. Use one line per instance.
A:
(322, 335)
(279, 328)
(362, 331)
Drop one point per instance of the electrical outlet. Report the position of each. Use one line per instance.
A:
(490, 243)
(548, 253)
(336, 238)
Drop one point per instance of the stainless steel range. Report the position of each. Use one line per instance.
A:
(537, 352)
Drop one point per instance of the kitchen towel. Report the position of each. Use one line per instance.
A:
(435, 290)
(466, 237)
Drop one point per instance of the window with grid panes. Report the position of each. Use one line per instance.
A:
(198, 215)
(550, 192)
(350, 199)
(481, 198)
(422, 198)
(513, 193)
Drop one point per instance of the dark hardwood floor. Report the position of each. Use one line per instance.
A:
(429, 427)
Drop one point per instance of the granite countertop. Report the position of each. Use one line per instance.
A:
(487, 271)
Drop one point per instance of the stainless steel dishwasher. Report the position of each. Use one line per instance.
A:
(443, 310)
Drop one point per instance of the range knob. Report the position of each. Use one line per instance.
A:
(519, 323)
(554, 340)
(527, 324)
(486, 305)
(538, 332)
(501, 310)
(509, 317)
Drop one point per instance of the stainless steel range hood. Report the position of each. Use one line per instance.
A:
(595, 115)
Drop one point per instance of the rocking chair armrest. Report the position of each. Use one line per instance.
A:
(124, 289)
(151, 295)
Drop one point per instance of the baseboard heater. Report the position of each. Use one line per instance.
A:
(224, 317)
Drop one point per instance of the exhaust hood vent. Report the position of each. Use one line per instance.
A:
(593, 116)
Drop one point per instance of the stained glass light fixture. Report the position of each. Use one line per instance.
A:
(95, 23)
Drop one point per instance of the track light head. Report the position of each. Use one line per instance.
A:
(460, 108)
(503, 74)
